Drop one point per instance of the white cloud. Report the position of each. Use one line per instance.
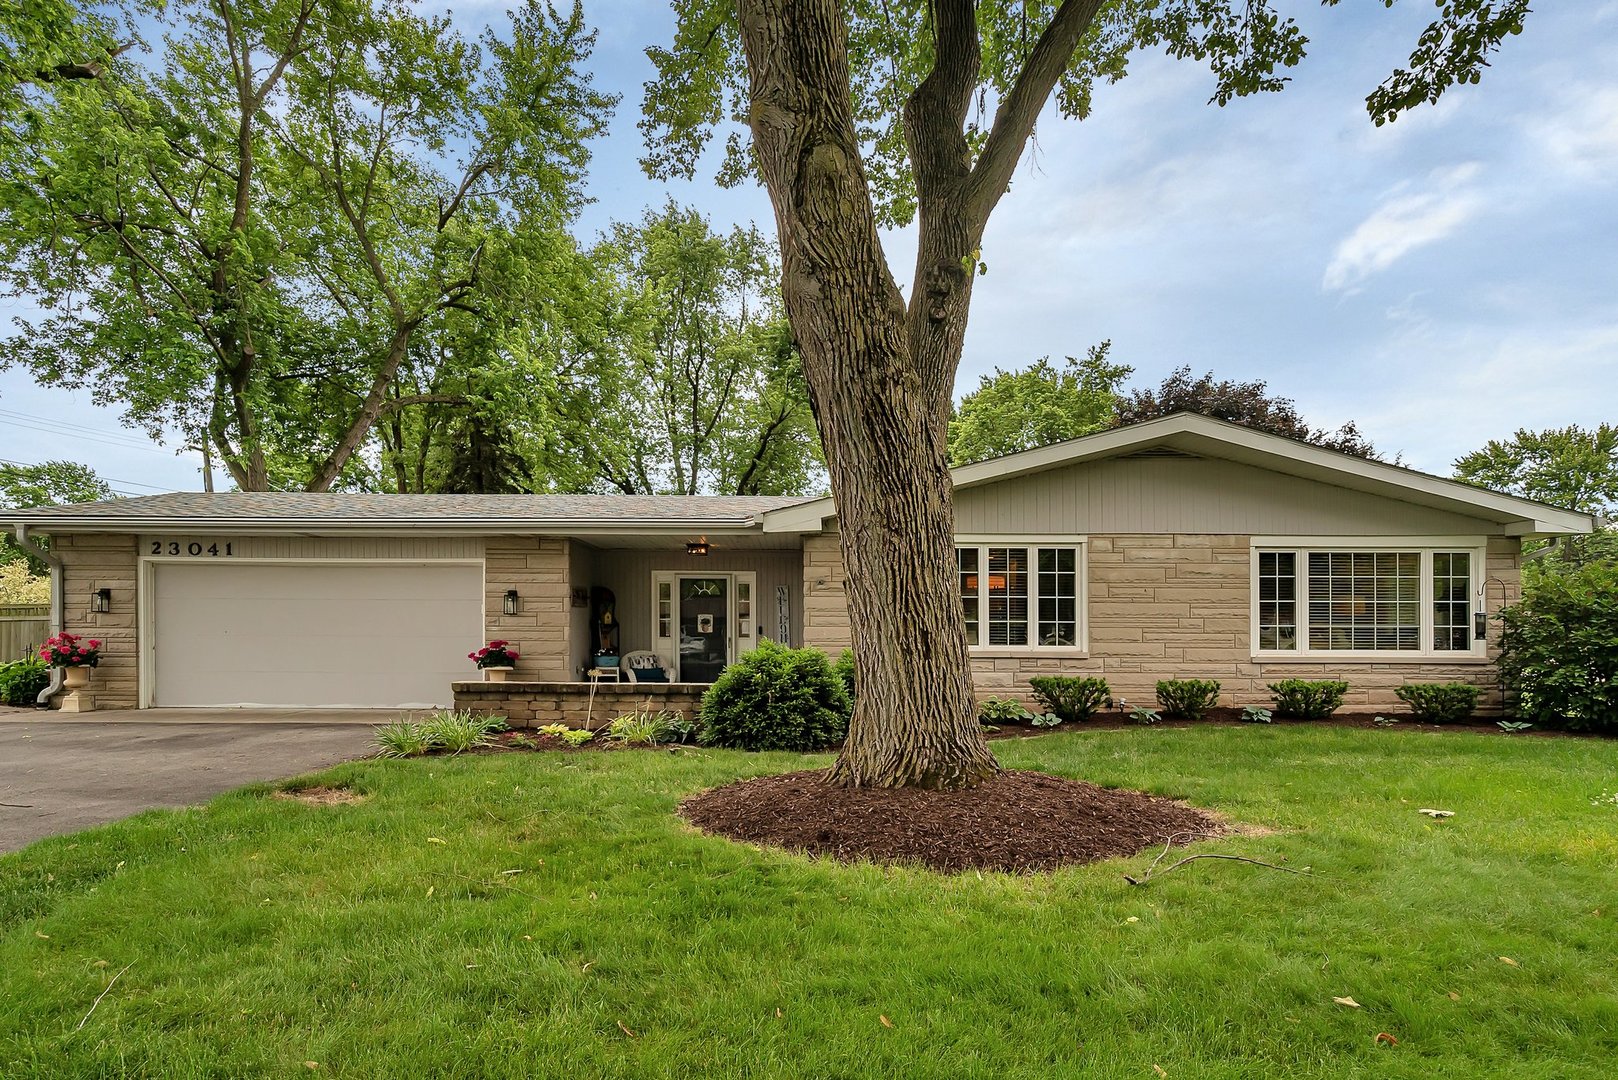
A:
(1582, 137)
(1403, 223)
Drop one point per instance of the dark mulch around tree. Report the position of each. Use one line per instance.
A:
(1018, 821)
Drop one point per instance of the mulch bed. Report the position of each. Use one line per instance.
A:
(1018, 822)
(1112, 719)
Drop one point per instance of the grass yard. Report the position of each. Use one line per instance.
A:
(260, 936)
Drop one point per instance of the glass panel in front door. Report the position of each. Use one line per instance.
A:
(704, 633)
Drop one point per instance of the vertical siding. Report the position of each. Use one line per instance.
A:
(1191, 495)
(329, 547)
(628, 573)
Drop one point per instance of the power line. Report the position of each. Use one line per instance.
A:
(70, 426)
(88, 437)
(109, 479)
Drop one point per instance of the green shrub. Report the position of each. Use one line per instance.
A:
(844, 667)
(1145, 717)
(458, 732)
(1306, 699)
(1003, 711)
(401, 739)
(21, 682)
(1256, 714)
(557, 730)
(1439, 703)
(1190, 698)
(641, 728)
(577, 736)
(776, 698)
(1071, 697)
(1559, 650)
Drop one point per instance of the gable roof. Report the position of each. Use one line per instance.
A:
(293, 510)
(1187, 434)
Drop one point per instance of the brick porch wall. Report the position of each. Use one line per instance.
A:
(532, 704)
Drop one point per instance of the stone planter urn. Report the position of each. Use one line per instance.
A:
(496, 674)
(76, 676)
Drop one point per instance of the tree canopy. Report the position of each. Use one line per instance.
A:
(1037, 405)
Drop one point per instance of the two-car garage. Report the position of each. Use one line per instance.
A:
(310, 633)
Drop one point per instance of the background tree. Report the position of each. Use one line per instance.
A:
(692, 384)
(1247, 403)
(1036, 406)
(238, 234)
(864, 113)
(1572, 467)
(50, 483)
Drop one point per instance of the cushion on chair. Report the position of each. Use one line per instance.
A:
(650, 674)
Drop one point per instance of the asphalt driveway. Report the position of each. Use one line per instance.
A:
(59, 776)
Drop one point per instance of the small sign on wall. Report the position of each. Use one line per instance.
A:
(783, 615)
(704, 624)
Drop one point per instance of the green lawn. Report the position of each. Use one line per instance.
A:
(385, 939)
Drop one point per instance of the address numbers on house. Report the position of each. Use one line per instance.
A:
(195, 548)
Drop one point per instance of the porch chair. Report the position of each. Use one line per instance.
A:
(643, 665)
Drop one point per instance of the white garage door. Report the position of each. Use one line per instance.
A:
(354, 635)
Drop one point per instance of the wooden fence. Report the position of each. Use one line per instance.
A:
(23, 629)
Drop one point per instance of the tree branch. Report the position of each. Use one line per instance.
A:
(1014, 120)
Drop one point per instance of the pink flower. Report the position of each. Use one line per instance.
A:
(94, 644)
(482, 653)
(511, 654)
(496, 644)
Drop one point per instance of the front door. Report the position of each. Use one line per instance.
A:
(702, 621)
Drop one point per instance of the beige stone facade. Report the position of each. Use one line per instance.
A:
(1174, 607)
(92, 562)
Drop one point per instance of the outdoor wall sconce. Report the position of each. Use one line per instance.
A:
(698, 546)
(101, 601)
(510, 605)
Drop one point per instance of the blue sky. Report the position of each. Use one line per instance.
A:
(1441, 281)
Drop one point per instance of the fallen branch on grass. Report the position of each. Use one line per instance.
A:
(101, 995)
(1152, 871)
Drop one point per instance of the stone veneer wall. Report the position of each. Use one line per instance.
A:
(1175, 606)
(542, 630)
(94, 562)
(532, 704)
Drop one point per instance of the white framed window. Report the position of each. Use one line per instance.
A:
(1384, 597)
(1022, 594)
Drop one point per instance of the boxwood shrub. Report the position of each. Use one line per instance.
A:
(1190, 698)
(21, 682)
(1306, 699)
(1439, 703)
(776, 698)
(1559, 650)
(1071, 697)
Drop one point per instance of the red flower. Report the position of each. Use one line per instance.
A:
(511, 654)
(482, 653)
(93, 643)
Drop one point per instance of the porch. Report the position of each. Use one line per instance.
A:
(577, 604)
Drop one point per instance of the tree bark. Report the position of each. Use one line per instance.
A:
(915, 720)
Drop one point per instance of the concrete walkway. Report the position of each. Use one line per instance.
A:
(61, 774)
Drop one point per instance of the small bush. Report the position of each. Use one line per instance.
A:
(1071, 697)
(641, 728)
(1256, 714)
(776, 698)
(1305, 699)
(1003, 711)
(1046, 720)
(557, 730)
(1145, 717)
(577, 736)
(22, 681)
(1190, 698)
(1439, 703)
(401, 739)
(1559, 650)
(458, 732)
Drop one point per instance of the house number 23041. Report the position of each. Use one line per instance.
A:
(174, 547)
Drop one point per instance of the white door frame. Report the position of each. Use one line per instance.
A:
(741, 634)
(146, 599)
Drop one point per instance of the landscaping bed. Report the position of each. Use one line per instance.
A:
(1111, 720)
(1017, 821)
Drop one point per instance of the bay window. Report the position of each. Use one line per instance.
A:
(1021, 595)
(1397, 597)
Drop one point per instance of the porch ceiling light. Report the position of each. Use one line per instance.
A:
(698, 546)
(101, 601)
(509, 607)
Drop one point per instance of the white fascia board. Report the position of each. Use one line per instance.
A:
(329, 526)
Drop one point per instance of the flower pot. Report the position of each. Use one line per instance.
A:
(76, 677)
(496, 674)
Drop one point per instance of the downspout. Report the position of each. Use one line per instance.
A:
(58, 604)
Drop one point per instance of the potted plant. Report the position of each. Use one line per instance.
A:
(74, 655)
(495, 660)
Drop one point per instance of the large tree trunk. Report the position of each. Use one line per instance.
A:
(915, 721)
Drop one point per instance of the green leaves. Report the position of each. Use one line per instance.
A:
(1039, 405)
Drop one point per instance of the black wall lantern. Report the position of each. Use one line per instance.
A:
(510, 605)
(698, 546)
(101, 601)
